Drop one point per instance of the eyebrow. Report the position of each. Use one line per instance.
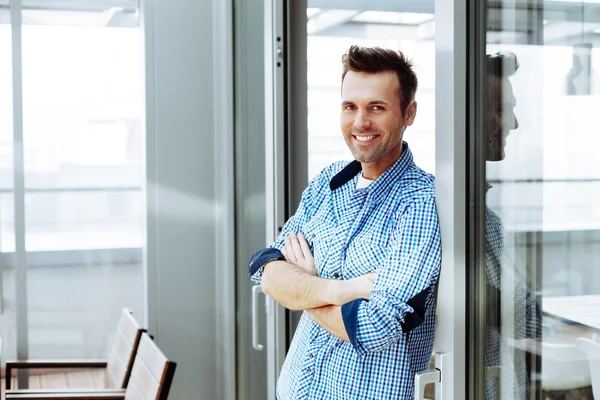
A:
(345, 103)
(378, 102)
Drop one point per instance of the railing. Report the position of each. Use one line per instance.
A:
(76, 256)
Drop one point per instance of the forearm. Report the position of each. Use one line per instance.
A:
(295, 289)
(330, 319)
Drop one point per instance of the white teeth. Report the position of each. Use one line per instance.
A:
(364, 138)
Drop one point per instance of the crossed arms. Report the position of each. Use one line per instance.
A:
(370, 312)
(294, 283)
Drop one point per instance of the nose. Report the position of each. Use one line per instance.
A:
(510, 121)
(513, 122)
(361, 121)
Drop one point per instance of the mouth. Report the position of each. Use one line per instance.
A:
(365, 138)
(498, 139)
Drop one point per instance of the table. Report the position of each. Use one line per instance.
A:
(583, 310)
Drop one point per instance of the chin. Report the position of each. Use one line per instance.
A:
(495, 155)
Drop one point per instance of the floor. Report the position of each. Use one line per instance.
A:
(87, 379)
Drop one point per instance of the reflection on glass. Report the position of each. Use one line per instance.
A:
(506, 280)
(542, 202)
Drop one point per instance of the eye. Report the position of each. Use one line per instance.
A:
(349, 108)
(377, 108)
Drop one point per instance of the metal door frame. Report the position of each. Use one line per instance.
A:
(452, 116)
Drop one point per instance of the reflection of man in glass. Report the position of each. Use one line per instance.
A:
(500, 103)
(507, 285)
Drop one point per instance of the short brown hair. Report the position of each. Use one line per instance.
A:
(373, 60)
(502, 64)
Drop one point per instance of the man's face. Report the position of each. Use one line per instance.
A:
(371, 118)
(501, 118)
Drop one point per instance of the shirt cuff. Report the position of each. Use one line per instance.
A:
(350, 318)
(260, 258)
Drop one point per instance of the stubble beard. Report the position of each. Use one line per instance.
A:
(375, 154)
(495, 147)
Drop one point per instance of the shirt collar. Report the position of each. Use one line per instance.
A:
(395, 170)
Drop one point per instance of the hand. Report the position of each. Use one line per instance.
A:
(297, 251)
(345, 291)
(363, 285)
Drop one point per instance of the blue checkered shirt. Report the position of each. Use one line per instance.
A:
(390, 227)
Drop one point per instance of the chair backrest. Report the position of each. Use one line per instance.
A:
(122, 354)
(152, 373)
(591, 349)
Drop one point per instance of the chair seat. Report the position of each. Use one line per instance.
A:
(564, 367)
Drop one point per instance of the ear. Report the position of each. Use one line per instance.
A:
(410, 113)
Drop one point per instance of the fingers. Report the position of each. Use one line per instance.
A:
(291, 255)
(304, 246)
(371, 276)
(284, 252)
(297, 250)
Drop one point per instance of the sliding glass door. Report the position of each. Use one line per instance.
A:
(508, 99)
(534, 270)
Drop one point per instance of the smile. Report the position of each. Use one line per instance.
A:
(365, 138)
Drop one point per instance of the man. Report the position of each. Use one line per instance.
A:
(372, 227)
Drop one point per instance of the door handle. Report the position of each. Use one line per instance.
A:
(423, 378)
(493, 372)
(440, 373)
(496, 373)
(256, 290)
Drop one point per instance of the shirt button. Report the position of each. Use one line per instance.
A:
(336, 275)
(308, 369)
(311, 355)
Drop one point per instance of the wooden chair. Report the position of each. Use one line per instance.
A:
(117, 369)
(151, 379)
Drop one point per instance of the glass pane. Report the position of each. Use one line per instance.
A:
(542, 201)
(84, 163)
(330, 33)
(7, 277)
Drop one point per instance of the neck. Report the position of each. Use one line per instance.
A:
(374, 170)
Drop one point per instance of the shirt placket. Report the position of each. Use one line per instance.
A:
(351, 210)
(309, 364)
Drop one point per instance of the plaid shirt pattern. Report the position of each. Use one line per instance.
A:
(389, 227)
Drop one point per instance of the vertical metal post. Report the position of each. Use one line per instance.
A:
(275, 168)
(297, 115)
(451, 115)
(19, 189)
(1, 282)
(483, 306)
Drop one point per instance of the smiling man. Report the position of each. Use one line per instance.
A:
(361, 255)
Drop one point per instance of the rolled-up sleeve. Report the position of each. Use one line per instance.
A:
(294, 224)
(404, 285)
